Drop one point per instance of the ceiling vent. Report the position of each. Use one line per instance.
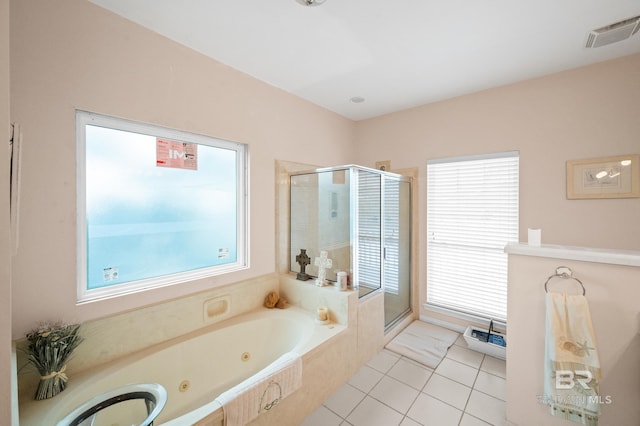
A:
(613, 33)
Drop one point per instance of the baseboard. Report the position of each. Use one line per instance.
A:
(442, 323)
(467, 318)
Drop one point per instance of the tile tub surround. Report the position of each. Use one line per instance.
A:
(211, 359)
(326, 367)
(342, 305)
(112, 337)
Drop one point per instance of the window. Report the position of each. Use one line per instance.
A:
(155, 206)
(472, 213)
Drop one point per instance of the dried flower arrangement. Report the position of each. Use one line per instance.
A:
(50, 346)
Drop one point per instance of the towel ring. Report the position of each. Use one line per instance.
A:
(566, 274)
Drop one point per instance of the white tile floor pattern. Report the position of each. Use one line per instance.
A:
(467, 388)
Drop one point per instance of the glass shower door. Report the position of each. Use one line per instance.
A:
(362, 218)
(396, 250)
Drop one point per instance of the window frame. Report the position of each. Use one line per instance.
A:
(83, 294)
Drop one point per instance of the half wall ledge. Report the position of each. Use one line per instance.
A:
(584, 254)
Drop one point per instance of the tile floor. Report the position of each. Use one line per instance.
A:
(467, 388)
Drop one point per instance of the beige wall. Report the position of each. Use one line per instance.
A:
(5, 251)
(583, 113)
(73, 54)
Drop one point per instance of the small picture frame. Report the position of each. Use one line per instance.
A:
(606, 177)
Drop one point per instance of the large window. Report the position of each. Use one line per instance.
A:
(472, 213)
(155, 206)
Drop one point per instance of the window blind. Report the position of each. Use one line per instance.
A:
(472, 213)
(369, 228)
(391, 235)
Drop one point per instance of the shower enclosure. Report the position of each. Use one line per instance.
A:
(362, 218)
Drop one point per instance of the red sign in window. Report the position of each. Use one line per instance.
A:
(178, 155)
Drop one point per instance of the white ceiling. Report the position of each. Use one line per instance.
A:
(396, 54)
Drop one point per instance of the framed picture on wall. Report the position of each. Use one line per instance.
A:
(607, 177)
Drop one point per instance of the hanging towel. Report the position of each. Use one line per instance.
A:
(572, 368)
(262, 391)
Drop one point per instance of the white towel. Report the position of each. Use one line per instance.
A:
(262, 391)
(572, 367)
(423, 342)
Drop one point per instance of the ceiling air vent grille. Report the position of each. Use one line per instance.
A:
(613, 33)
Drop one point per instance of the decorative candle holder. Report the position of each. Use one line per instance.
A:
(322, 315)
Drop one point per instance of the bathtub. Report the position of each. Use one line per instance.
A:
(195, 368)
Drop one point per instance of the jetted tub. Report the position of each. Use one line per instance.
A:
(195, 368)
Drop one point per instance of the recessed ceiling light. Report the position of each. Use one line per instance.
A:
(357, 99)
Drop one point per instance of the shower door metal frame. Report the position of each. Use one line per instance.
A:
(354, 176)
